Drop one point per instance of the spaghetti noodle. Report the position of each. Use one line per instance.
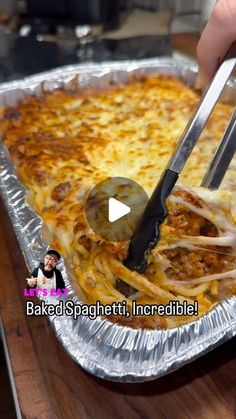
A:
(64, 143)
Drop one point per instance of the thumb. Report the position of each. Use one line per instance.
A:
(217, 37)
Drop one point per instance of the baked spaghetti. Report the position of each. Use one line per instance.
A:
(64, 143)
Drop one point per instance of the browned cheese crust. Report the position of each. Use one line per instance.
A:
(64, 143)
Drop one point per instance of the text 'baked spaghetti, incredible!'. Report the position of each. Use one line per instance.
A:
(64, 143)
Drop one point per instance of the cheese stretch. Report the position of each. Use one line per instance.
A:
(64, 143)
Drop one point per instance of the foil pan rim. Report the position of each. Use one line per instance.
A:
(108, 350)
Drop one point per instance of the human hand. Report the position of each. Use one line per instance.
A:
(217, 37)
(31, 281)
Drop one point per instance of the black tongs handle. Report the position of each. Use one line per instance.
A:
(147, 232)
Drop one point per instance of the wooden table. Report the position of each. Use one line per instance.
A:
(49, 384)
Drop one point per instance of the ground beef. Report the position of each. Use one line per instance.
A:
(61, 191)
(187, 264)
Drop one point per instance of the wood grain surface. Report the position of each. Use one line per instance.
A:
(7, 409)
(50, 384)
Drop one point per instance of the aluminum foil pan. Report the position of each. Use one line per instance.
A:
(104, 349)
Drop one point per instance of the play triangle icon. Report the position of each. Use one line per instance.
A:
(117, 210)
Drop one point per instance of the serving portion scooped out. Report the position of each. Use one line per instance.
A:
(64, 143)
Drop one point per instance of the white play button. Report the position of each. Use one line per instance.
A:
(114, 207)
(116, 210)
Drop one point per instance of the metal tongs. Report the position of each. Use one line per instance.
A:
(148, 230)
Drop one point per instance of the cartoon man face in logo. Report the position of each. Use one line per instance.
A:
(46, 270)
(50, 261)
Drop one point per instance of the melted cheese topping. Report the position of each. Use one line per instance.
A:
(64, 143)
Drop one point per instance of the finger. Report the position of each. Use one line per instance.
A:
(32, 282)
(217, 37)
